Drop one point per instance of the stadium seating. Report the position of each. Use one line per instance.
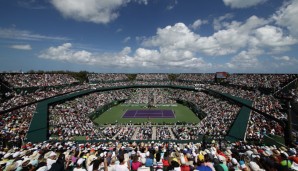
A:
(70, 119)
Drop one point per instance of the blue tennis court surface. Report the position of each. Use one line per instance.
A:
(149, 114)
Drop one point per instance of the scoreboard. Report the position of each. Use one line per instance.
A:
(221, 75)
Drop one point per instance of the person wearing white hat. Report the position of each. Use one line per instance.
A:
(235, 165)
(59, 165)
(79, 166)
(51, 160)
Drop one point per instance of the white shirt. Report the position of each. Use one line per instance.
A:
(144, 168)
(50, 162)
(112, 168)
(79, 169)
(121, 168)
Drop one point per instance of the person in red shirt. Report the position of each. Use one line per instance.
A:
(165, 160)
(135, 163)
(183, 166)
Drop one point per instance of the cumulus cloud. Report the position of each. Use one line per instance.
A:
(99, 12)
(140, 58)
(245, 60)
(198, 23)
(235, 36)
(249, 42)
(242, 3)
(286, 16)
(284, 61)
(273, 36)
(243, 40)
(21, 47)
(66, 53)
(220, 21)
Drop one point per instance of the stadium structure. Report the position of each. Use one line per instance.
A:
(91, 119)
(38, 107)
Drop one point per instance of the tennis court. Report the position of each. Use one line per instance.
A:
(149, 113)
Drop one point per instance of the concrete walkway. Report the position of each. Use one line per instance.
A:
(135, 134)
(172, 134)
(154, 133)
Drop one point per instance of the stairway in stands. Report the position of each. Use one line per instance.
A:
(172, 134)
(135, 134)
(154, 133)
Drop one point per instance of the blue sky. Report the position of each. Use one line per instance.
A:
(256, 36)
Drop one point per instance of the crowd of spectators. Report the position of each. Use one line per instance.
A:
(150, 96)
(201, 78)
(71, 119)
(111, 131)
(15, 125)
(155, 156)
(18, 99)
(132, 83)
(126, 133)
(262, 102)
(37, 80)
(152, 77)
(109, 77)
(259, 126)
(220, 113)
(163, 133)
(272, 81)
(144, 132)
(185, 132)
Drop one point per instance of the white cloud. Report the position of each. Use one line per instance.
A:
(141, 58)
(222, 42)
(96, 11)
(31, 4)
(12, 33)
(145, 2)
(172, 4)
(232, 37)
(282, 58)
(287, 16)
(284, 61)
(219, 22)
(174, 37)
(250, 42)
(65, 53)
(127, 39)
(245, 60)
(21, 47)
(273, 37)
(119, 30)
(242, 3)
(198, 23)
(125, 51)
